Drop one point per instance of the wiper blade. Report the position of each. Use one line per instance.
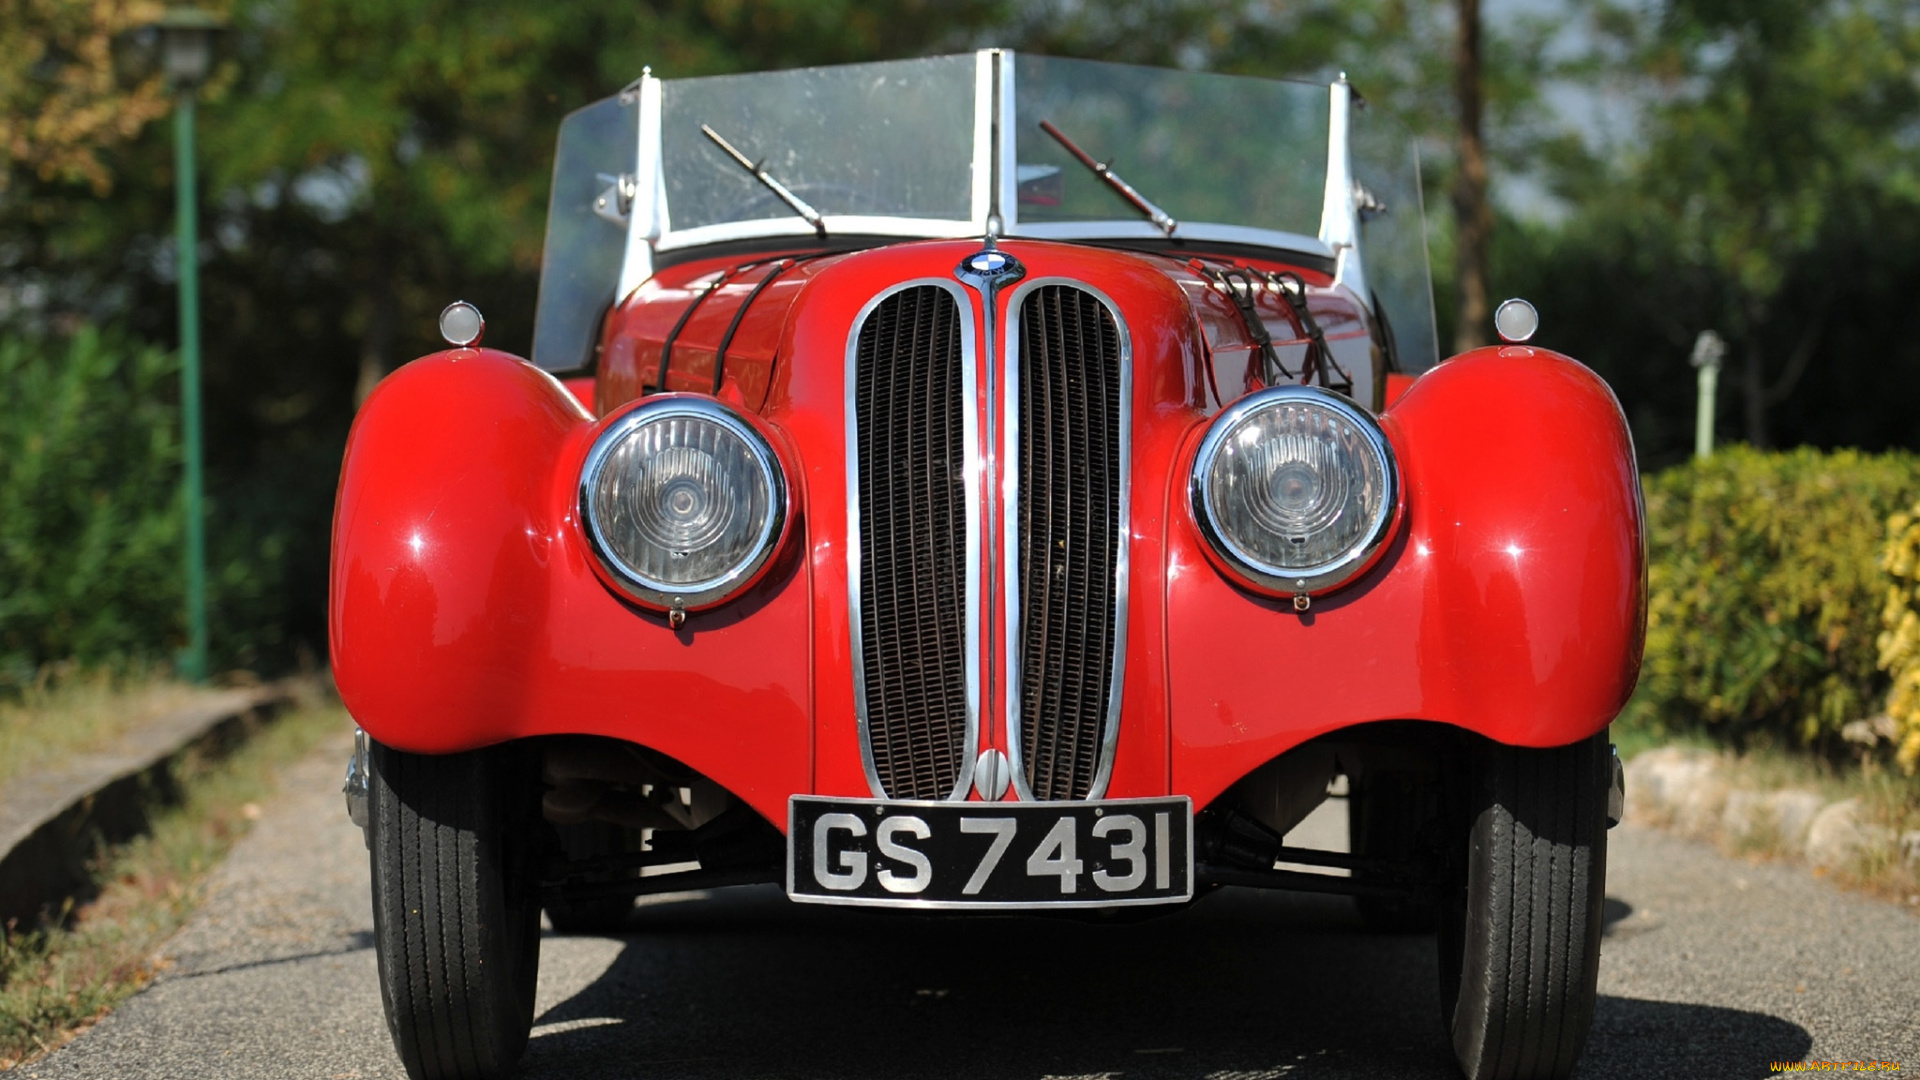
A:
(1139, 202)
(757, 169)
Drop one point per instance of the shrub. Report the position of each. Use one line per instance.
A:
(1765, 592)
(91, 516)
(90, 519)
(1900, 631)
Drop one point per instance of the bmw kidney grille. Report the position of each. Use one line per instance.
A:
(917, 609)
(910, 456)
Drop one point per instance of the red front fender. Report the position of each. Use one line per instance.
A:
(1511, 602)
(464, 610)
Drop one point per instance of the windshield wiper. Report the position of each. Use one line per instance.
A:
(759, 172)
(1125, 190)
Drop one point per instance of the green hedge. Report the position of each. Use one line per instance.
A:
(91, 516)
(1766, 593)
(90, 520)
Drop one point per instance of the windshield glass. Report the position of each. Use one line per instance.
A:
(891, 139)
(953, 146)
(1222, 149)
(586, 238)
(1393, 236)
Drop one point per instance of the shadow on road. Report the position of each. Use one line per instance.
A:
(1243, 986)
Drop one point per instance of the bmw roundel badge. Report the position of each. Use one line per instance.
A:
(990, 266)
(987, 262)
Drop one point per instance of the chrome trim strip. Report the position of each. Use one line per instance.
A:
(837, 225)
(931, 229)
(712, 590)
(983, 128)
(1190, 231)
(1339, 210)
(1312, 579)
(989, 284)
(649, 214)
(970, 435)
(1010, 537)
(1006, 172)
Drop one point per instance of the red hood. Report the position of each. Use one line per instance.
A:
(697, 305)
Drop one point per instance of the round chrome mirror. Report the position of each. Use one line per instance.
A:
(461, 324)
(1516, 320)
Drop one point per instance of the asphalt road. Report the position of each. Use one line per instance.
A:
(1711, 968)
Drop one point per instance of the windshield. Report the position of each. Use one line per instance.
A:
(1393, 234)
(586, 236)
(953, 146)
(889, 140)
(1207, 148)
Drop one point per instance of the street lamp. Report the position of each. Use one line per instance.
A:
(186, 43)
(1708, 349)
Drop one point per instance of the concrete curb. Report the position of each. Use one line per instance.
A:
(53, 822)
(1689, 790)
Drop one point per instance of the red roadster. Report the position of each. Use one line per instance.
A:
(986, 483)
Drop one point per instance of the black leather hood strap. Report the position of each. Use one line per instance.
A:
(1320, 361)
(1239, 284)
(673, 335)
(780, 266)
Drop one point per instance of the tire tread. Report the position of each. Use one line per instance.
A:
(1522, 996)
(436, 918)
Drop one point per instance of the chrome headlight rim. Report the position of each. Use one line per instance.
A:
(666, 596)
(1323, 577)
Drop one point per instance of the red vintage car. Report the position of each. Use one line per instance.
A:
(902, 507)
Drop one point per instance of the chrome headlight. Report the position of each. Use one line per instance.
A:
(683, 502)
(1295, 489)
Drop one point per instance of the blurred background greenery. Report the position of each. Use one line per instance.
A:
(1658, 168)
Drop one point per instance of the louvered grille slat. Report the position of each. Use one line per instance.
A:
(908, 402)
(1070, 461)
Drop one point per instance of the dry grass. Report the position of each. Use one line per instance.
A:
(65, 713)
(1887, 796)
(57, 980)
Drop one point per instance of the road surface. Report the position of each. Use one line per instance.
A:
(1711, 967)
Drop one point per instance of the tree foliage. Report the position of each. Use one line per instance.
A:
(61, 102)
(366, 161)
(1777, 137)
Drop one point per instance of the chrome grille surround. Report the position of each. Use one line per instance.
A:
(1017, 617)
(870, 719)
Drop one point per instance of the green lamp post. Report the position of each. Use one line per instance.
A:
(186, 41)
(1708, 350)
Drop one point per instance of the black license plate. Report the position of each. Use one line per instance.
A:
(1113, 853)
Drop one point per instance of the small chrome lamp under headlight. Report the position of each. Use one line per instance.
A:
(682, 502)
(1295, 488)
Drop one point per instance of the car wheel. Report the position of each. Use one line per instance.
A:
(455, 912)
(1520, 930)
(1389, 816)
(605, 914)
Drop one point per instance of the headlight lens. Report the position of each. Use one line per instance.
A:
(683, 502)
(1295, 488)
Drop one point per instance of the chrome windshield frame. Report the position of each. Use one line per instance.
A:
(993, 196)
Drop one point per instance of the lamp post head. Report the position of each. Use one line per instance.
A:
(1708, 350)
(186, 44)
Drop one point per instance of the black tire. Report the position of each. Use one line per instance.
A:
(604, 915)
(1520, 934)
(455, 912)
(1393, 815)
